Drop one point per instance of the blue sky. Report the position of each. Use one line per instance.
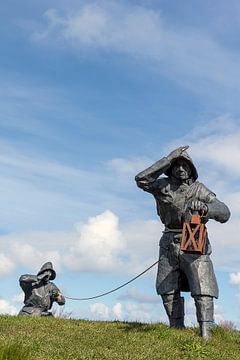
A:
(91, 93)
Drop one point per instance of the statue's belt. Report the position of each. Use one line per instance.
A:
(167, 230)
(192, 237)
(177, 234)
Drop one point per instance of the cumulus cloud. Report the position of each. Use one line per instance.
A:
(129, 311)
(7, 308)
(18, 298)
(31, 256)
(100, 241)
(117, 311)
(106, 245)
(101, 311)
(32, 249)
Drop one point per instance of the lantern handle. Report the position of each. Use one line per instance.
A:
(197, 212)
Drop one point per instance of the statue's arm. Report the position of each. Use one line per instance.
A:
(206, 202)
(28, 278)
(218, 211)
(27, 281)
(147, 177)
(57, 295)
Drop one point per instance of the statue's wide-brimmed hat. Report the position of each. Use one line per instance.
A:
(186, 157)
(48, 266)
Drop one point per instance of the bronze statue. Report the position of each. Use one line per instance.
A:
(178, 196)
(40, 292)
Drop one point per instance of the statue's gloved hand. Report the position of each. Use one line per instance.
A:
(58, 297)
(55, 294)
(199, 206)
(176, 153)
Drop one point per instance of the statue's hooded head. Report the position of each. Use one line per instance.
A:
(183, 159)
(48, 267)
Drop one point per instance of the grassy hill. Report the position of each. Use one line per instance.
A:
(52, 339)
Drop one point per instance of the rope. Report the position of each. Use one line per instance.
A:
(111, 291)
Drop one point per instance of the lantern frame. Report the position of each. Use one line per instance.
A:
(194, 235)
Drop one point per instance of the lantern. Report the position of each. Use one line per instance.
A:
(194, 235)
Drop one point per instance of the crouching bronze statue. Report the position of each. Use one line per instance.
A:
(40, 292)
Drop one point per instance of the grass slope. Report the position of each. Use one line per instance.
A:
(51, 339)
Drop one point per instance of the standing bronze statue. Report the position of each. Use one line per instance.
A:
(40, 292)
(178, 196)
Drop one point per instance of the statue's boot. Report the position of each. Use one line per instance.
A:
(204, 309)
(205, 329)
(177, 323)
(174, 306)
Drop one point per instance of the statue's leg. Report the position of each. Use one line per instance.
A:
(174, 306)
(204, 310)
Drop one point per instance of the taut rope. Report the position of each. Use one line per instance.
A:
(111, 291)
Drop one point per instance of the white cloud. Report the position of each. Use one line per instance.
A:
(148, 313)
(99, 244)
(6, 265)
(7, 308)
(129, 311)
(101, 25)
(218, 146)
(139, 312)
(32, 249)
(19, 298)
(133, 294)
(184, 54)
(100, 311)
(100, 241)
(235, 278)
(128, 167)
(105, 243)
(117, 311)
(57, 195)
(32, 257)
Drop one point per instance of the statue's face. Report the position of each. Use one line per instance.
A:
(181, 170)
(47, 276)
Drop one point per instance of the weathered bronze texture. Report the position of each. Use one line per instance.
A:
(178, 196)
(40, 292)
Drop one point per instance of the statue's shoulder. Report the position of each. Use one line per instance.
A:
(200, 191)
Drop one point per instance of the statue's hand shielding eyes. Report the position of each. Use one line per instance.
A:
(177, 152)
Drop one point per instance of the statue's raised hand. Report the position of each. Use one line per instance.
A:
(177, 152)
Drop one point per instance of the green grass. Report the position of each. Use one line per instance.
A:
(23, 338)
